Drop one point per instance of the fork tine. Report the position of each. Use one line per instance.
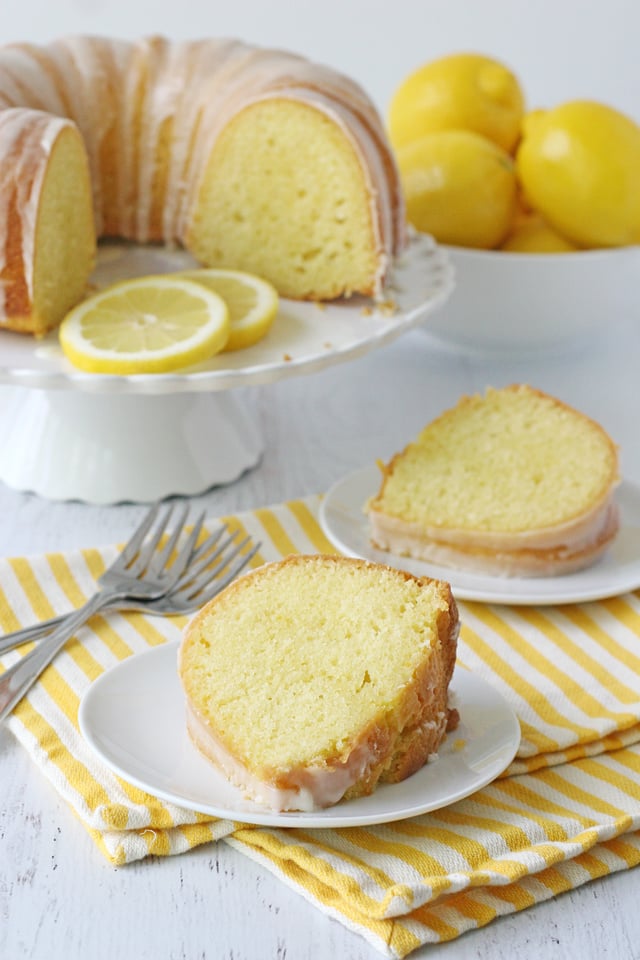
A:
(199, 559)
(160, 562)
(133, 543)
(205, 562)
(149, 547)
(213, 555)
(209, 543)
(205, 576)
(218, 585)
(183, 560)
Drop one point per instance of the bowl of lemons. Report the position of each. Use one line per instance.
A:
(539, 209)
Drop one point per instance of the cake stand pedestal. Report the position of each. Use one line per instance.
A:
(102, 448)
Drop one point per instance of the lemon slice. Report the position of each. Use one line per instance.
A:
(147, 325)
(252, 302)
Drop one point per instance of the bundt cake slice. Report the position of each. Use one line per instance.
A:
(48, 245)
(513, 483)
(318, 677)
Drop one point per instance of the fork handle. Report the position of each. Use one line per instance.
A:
(15, 639)
(19, 678)
(10, 641)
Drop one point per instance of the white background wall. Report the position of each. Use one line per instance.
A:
(560, 49)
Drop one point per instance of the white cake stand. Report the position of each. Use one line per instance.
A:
(65, 434)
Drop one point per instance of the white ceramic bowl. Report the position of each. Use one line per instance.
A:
(521, 302)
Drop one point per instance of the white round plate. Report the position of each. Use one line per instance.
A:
(347, 527)
(305, 337)
(133, 716)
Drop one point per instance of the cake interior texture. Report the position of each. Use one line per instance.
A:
(48, 246)
(303, 664)
(284, 196)
(512, 483)
(510, 461)
(65, 233)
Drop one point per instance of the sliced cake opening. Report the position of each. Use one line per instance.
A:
(285, 196)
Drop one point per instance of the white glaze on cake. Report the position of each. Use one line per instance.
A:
(131, 92)
(554, 550)
(309, 788)
(26, 140)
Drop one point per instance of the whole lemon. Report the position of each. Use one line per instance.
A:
(465, 91)
(579, 166)
(459, 187)
(532, 234)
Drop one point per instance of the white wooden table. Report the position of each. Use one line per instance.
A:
(60, 900)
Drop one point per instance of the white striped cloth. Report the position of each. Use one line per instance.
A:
(567, 809)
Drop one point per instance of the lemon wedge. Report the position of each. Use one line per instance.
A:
(147, 325)
(252, 302)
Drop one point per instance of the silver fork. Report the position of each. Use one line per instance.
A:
(142, 571)
(182, 598)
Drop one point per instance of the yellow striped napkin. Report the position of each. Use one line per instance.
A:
(566, 811)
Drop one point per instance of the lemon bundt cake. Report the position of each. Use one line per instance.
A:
(317, 677)
(251, 158)
(515, 483)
